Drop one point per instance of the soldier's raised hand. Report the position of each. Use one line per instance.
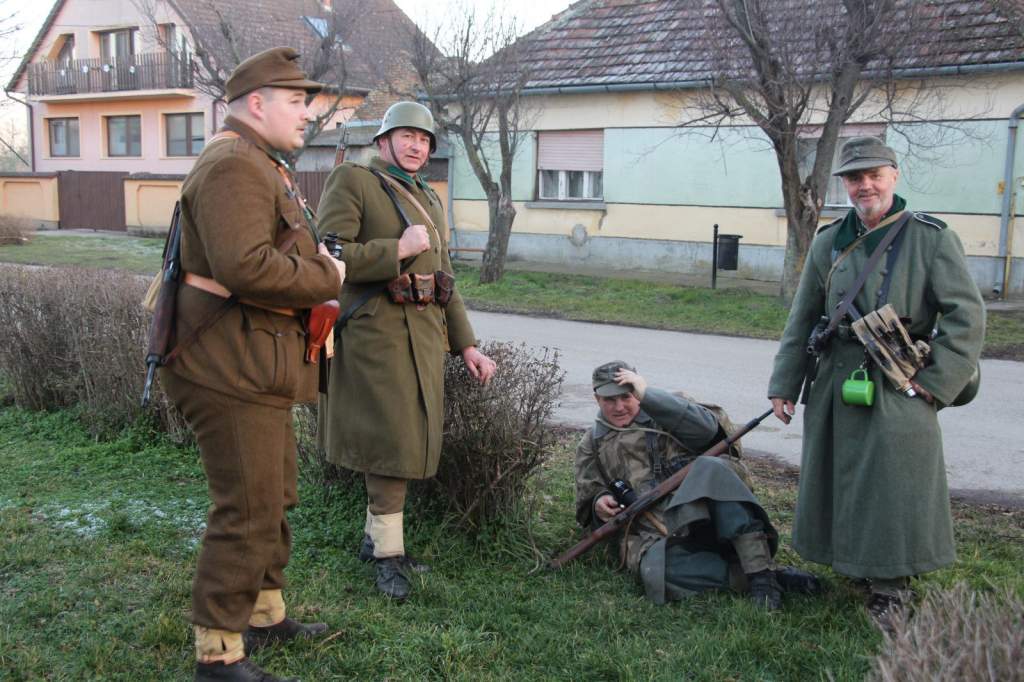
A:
(606, 507)
(414, 241)
(639, 384)
(338, 265)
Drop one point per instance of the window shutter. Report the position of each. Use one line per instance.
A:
(576, 150)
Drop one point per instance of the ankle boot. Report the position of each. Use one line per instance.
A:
(288, 629)
(391, 578)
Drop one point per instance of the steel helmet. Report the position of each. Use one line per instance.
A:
(408, 115)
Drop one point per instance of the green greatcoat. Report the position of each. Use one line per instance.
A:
(385, 410)
(873, 501)
(674, 430)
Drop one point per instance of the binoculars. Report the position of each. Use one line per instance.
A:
(334, 248)
(623, 492)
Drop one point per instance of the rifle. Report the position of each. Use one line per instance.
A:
(339, 151)
(163, 312)
(650, 498)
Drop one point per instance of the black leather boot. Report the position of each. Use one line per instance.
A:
(765, 591)
(797, 582)
(239, 671)
(392, 579)
(288, 629)
(410, 564)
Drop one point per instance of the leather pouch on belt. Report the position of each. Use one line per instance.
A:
(424, 289)
(400, 289)
(445, 286)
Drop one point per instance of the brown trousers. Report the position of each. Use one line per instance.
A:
(248, 453)
(385, 494)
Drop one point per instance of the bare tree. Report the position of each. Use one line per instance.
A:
(474, 83)
(224, 34)
(790, 67)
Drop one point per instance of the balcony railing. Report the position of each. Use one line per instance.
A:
(149, 71)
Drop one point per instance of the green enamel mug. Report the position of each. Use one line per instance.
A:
(859, 389)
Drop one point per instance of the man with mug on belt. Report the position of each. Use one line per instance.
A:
(384, 412)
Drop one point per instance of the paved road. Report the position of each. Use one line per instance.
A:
(984, 441)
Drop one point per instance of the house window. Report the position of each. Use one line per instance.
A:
(570, 165)
(835, 192)
(117, 46)
(124, 136)
(63, 136)
(67, 51)
(184, 134)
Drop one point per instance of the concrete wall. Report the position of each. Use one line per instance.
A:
(149, 203)
(33, 197)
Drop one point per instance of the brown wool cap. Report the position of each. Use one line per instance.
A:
(277, 67)
(859, 153)
(604, 379)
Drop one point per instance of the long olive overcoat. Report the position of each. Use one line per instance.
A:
(234, 208)
(873, 498)
(385, 407)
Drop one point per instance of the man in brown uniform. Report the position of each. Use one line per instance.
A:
(253, 265)
(385, 412)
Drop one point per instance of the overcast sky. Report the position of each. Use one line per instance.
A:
(30, 14)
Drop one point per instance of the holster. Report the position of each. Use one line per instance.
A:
(445, 284)
(319, 325)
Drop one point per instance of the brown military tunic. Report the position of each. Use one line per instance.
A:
(236, 383)
(386, 405)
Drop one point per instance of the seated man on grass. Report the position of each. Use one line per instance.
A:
(712, 533)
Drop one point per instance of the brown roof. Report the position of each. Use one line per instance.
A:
(379, 35)
(647, 42)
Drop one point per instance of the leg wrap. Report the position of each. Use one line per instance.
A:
(218, 646)
(753, 552)
(269, 609)
(386, 533)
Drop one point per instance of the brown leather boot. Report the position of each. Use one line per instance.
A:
(288, 629)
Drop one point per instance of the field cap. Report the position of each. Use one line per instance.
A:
(277, 67)
(604, 379)
(859, 153)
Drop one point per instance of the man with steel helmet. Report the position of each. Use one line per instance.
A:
(383, 414)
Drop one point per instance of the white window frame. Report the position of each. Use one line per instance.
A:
(563, 186)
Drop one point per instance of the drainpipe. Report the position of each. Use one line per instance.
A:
(1008, 195)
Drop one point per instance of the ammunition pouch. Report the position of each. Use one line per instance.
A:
(422, 289)
(445, 287)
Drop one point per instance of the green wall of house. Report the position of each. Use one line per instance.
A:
(738, 168)
(465, 184)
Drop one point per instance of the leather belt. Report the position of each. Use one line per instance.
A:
(212, 286)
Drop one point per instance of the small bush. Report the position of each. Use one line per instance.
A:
(956, 634)
(77, 337)
(495, 436)
(14, 230)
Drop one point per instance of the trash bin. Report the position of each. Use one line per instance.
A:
(728, 251)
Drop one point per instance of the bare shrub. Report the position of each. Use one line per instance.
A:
(76, 337)
(956, 634)
(495, 436)
(14, 230)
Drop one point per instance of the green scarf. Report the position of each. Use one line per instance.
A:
(852, 228)
(401, 174)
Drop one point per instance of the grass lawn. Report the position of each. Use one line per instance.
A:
(98, 542)
(736, 312)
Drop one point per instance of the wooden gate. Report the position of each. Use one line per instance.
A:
(312, 185)
(91, 200)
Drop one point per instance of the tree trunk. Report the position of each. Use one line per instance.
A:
(502, 214)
